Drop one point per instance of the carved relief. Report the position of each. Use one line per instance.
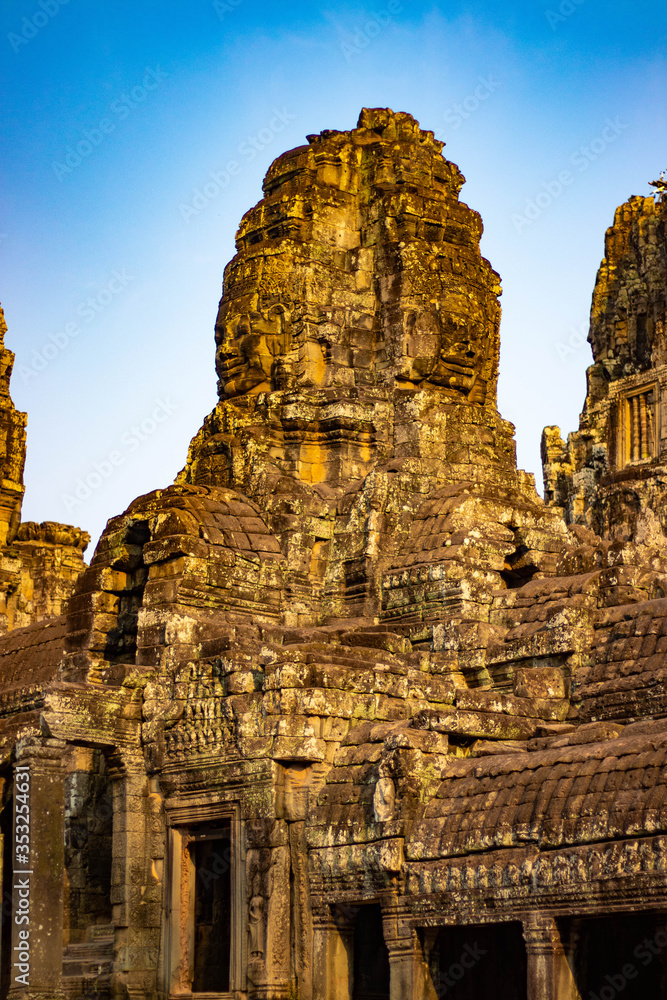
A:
(446, 345)
(256, 926)
(308, 311)
(384, 800)
(251, 349)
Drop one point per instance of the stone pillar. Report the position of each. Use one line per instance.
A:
(410, 978)
(301, 911)
(268, 881)
(136, 885)
(38, 895)
(549, 974)
(333, 966)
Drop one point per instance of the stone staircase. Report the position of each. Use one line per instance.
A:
(87, 966)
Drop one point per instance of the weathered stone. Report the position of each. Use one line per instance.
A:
(39, 563)
(349, 685)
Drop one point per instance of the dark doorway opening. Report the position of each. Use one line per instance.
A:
(620, 955)
(211, 856)
(371, 957)
(488, 960)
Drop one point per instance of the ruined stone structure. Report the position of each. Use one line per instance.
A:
(39, 563)
(349, 712)
(613, 468)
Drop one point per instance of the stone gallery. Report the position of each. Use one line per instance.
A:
(349, 712)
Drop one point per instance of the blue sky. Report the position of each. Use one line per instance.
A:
(116, 113)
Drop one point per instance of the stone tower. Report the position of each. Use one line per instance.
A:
(612, 470)
(349, 712)
(12, 456)
(357, 358)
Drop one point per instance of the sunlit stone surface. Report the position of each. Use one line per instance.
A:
(349, 712)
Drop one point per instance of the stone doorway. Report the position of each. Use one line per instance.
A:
(211, 911)
(371, 957)
(624, 955)
(475, 961)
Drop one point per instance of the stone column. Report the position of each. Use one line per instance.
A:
(333, 966)
(269, 976)
(409, 976)
(136, 885)
(268, 881)
(301, 913)
(38, 895)
(549, 974)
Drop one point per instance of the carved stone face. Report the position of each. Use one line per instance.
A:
(248, 346)
(447, 345)
(462, 354)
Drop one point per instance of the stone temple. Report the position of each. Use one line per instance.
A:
(349, 712)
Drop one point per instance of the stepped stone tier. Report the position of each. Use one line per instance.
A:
(348, 712)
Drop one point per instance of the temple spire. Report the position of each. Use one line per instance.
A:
(12, 454)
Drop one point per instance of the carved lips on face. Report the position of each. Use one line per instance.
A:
(461, 354)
